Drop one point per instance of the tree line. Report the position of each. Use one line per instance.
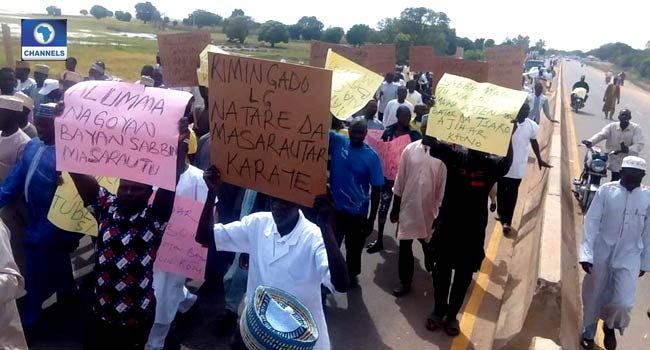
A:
(413, 26)
(625, 56)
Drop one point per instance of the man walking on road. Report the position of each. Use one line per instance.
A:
(508, 186)
(611, 99)
(418, 192)
(623, 138)
(538, 102)
(615, 252)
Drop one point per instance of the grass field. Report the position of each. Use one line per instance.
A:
(112, 41)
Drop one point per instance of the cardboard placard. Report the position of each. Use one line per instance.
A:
(475, 70)
(475, 115)
(67, 210)
(269, 123)
(352, 85)
(179, 253)
(380, 58)
(460, 52)
(389, 152)
(202, 72)
(8, 45)
(421, 58)
(179, 56)
(505, 65)
(121, 130)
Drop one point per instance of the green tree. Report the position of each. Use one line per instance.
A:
(294, 31)
(644, 68)
(474, 55)
(273, 32)
(146, 12)
(358, 34)
(489, 43)
(53, 11)
(100, 12)
(402, 44)
(466, 44)
(201, 18)
(237, 28)
(333, 35)
(479, 43)
(123, 16)
(237, 13)
(311, 28)
(84, 12)
(523, 41)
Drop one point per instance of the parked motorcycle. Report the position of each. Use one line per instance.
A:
(593, 170)
(578, 97)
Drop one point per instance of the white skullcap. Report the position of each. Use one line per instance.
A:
(27, 101)
(146, 81)
(11, 103)
(632, 162)
(49, 85)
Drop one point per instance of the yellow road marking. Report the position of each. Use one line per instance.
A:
(576, 174)
(478, 291)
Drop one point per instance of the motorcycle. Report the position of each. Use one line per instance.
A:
(593, 170)
(578, 97)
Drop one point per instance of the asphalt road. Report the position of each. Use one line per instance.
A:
(589, 121)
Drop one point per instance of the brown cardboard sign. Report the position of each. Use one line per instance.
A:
(179, 56)
(475, 70)
(505, 65)
(269, 124)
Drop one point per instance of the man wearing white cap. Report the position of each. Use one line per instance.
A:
(12, 139)
(41, 73)
(615, 252)
(28, 107)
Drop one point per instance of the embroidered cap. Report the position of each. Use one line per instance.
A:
(27, 101)
(274, 319)
(49, 85)
(45, 110)
(633, 162)
(98, 68)
(41, 68)
(22, 64)
(73, 77)
(11, 103)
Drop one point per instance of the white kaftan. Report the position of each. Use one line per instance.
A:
(420, 182)
(616, 240)
(296, 263)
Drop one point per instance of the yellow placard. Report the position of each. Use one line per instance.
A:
(67, 211)
(202, 72)
(352, 85)
(478, 116)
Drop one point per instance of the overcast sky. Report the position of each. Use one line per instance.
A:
(564, 24)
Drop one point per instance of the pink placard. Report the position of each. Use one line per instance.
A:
(389, 152)
(122, 130)
(179, 253)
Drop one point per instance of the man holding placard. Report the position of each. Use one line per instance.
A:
(130, 233)
(286, 251)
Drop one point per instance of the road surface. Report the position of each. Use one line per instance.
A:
(589, 121)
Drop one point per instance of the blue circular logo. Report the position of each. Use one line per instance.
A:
(44, 33)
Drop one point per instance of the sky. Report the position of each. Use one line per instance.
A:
(563, 24)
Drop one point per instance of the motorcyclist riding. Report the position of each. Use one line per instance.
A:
(580, 84)
(622, 139)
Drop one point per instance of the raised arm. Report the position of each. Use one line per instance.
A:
(205, 231)
(87, 187)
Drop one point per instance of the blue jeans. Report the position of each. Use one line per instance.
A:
(589, 332)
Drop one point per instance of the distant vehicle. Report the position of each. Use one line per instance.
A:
(532, 64)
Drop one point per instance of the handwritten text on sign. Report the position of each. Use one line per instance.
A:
(179, 56)
(120, 130)
(67, 210)
(389, 152)
(475, 115)
(269, 123)
(179, 253)
(352, 85)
